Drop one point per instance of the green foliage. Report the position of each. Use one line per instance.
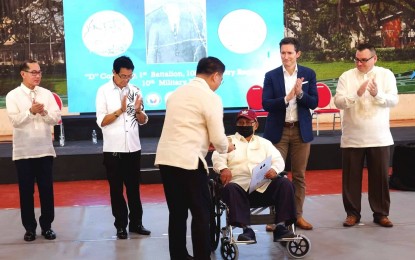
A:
(397, 67)
(42, 18)
(344, 54)
(328, 70)
(333, 70)
(55, 83)
(328, 55)
(390, 54)
(334, 27)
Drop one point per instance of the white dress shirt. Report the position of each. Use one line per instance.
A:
(365, 120)
(32, 135)
(289, 82)
(194, 118)
(245, 157)
(122, 135)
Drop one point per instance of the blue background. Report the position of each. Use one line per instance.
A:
(81, 61)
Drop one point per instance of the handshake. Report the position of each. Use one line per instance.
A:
(231, 146)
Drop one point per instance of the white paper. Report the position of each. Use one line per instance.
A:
(258, 174)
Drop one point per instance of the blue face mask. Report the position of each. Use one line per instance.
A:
(245, 131)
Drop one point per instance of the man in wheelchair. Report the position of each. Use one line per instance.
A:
(235, 171)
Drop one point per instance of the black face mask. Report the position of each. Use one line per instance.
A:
(245, 131)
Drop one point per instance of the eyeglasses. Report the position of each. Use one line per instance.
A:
(123, 76)
(245, 123)
(363, 60)
(34, 73)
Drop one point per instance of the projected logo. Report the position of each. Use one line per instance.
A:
(153, 99)
(242, 31)
(107, 33)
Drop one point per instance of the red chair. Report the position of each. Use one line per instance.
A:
(60, 123)
(324, 104)
(254, 100)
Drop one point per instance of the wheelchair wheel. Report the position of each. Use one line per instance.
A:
(229, 251)
(215, 215)
(298, 248)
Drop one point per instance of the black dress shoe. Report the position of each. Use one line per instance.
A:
(49, 234)
(122, 233)
(140, 229)
(247, 236)
(29, 235)
(281, 232)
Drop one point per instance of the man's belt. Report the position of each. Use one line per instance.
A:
(290, 124)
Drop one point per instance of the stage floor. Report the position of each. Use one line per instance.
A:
(86, 232)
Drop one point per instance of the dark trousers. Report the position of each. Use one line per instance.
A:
(37, 170)
(377, 159)
(123, 169)
(279, 193)
(187, 190)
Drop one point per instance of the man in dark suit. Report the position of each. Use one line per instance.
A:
(290, 92)
(176, 33)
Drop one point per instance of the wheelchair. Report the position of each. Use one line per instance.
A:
(297, 247)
